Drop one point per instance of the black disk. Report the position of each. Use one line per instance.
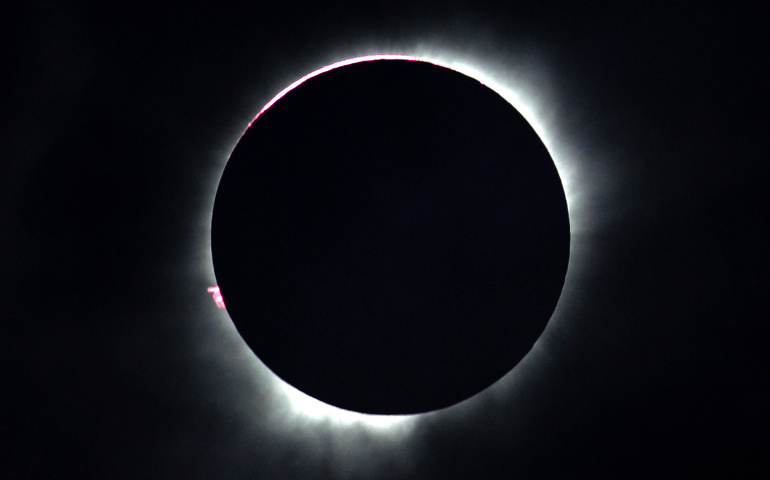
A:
(390, 237)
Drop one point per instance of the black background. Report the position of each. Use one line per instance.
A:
(117, 122)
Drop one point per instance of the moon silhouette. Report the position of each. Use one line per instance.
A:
(384, 268)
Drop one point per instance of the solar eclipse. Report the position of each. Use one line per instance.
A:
(381, 268)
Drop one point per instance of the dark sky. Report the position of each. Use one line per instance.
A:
(118, 123)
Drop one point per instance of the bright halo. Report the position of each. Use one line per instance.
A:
(310, 409)
(527, 94)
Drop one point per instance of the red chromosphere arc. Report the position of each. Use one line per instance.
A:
(350, 61)
(215, 293)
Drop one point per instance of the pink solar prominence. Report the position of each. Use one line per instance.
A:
(217, 296)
